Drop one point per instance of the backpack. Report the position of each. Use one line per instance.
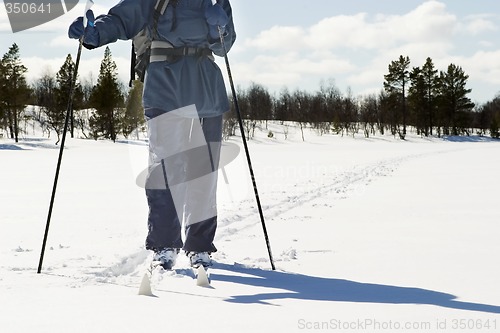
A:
(141, 44)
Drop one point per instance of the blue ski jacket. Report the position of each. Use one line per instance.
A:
(188, 80)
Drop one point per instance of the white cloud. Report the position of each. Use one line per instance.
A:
(4, 21)
(477, 24)
(278, 38)
(430, 22)
(484, 65)
(427, 23)
(336, 32)
(356, 49)
(486, 43)
(290, 68)
(37, 66)
(62, 41)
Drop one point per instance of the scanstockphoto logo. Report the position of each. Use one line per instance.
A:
(24, 15)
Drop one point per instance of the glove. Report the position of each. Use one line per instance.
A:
(216, 17)
(89, 33)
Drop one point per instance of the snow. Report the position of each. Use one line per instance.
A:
(368, 235)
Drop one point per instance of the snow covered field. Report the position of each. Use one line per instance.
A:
(368, 235)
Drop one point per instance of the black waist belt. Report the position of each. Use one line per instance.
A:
(163, 51)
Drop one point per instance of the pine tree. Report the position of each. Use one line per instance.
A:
(490, 117)
(134, 112)
(106, 98)
(64, 78)
(417, 95)
(3, 105)
(431, 85)
(455, 105)
(396, 83)
(15, 90)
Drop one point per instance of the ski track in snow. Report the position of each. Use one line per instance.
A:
(340, 187)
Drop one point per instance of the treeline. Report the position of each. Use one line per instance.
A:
(430, 101)
(102, 109)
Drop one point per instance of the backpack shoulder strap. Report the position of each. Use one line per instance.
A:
(159, 10)
(160, 7)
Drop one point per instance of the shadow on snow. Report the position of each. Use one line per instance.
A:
(304, 287)
(473, 138)
(28, 144)
(10, 147)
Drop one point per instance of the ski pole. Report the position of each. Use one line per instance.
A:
(249, 161)
(63, 140)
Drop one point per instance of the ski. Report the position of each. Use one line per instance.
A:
(202, 276)
(155, 267)
(145, 287)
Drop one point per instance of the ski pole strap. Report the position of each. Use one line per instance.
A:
(164, 51)
(133, 60)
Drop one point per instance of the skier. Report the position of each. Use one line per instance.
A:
(184, 99)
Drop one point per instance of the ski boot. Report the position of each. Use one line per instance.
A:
(198, 259)
(165, 258)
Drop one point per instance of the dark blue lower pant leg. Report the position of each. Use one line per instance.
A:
(200, 236)
(164, 227)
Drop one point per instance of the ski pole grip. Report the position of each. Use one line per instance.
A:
(89, 5)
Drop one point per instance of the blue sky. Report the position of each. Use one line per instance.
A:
(298, 44)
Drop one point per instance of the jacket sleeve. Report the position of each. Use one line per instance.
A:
(124, 20)
(229, 33)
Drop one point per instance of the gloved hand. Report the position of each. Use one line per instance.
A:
(216, 17)
(89, 33)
